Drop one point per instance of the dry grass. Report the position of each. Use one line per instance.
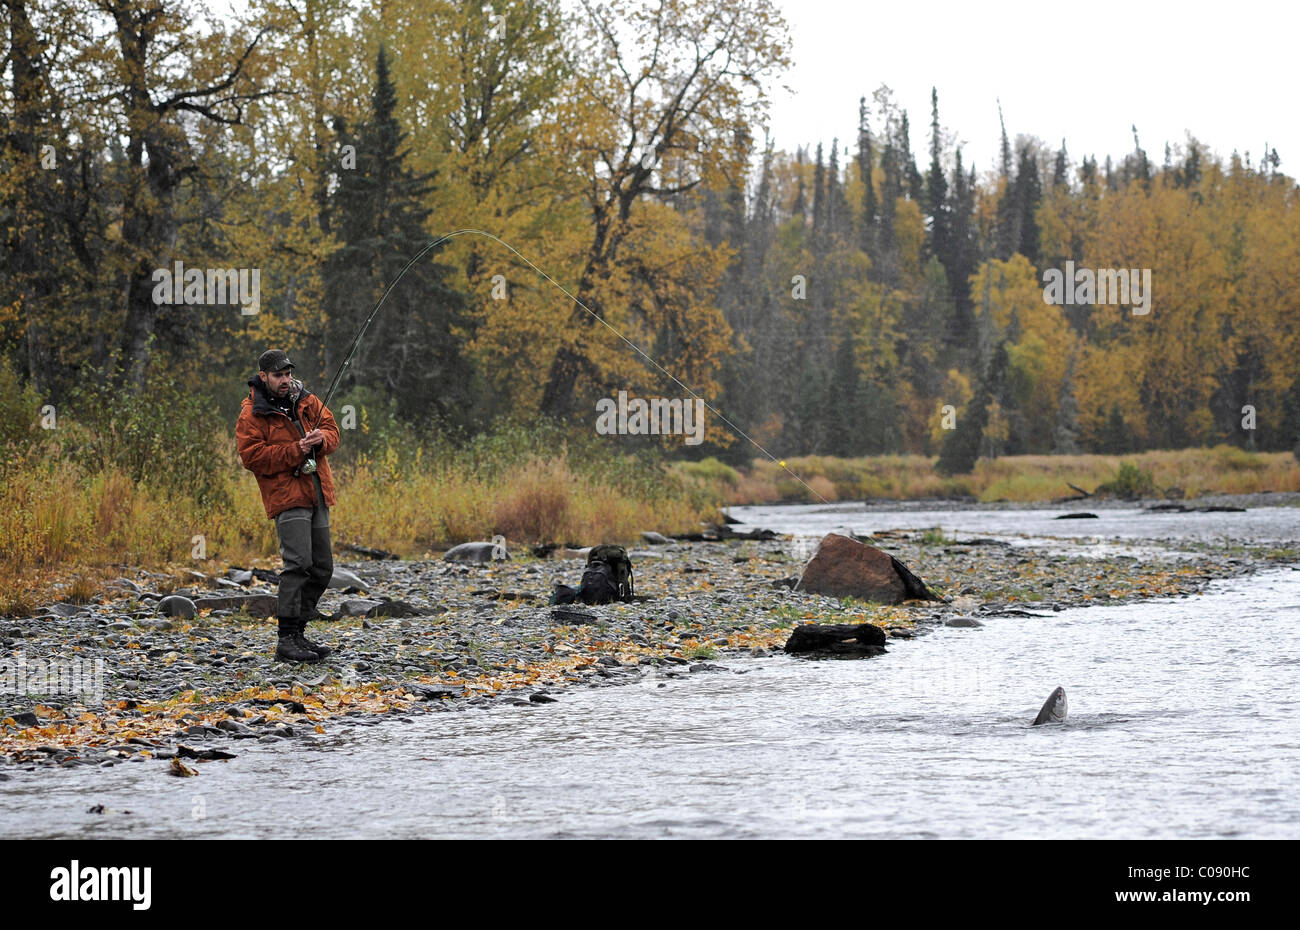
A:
(1024, 478)
(58, 523)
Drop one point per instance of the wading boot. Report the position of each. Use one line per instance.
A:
(288, 648)
(300, 637)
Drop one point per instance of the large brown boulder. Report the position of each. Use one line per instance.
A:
(844, 567)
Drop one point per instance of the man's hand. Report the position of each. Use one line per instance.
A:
(314, 438)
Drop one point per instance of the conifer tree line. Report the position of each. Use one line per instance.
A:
(873, 295)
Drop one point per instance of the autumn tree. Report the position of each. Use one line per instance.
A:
(671, 85)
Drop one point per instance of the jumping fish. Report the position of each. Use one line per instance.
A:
(1054, 710)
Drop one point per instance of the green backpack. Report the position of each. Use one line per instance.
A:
(608, 576)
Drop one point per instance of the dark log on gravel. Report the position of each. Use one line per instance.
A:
(839, 639)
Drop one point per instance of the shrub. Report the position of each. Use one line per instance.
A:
(1129, 482)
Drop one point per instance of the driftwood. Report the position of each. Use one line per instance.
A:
(837, 639)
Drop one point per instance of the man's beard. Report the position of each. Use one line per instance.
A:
(280, 393)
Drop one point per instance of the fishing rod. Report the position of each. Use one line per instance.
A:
(309, 465)
(360, 334)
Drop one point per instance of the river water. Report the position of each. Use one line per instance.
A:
(1183, 722)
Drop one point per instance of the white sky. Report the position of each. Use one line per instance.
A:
(1085, 72)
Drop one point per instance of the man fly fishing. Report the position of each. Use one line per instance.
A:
(297, 491)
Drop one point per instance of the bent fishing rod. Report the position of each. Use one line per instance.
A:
(365, 325)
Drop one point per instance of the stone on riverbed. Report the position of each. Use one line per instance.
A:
(356, 607)
(844, 567)
(255, 605)
(65, 610)
(177, 606)
(398, 609)
(656, 539)
(840, 639)
(343, 579)
(476, 552)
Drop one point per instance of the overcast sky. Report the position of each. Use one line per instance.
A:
(1227, 73)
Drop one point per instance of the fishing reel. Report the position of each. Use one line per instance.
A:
(308, 467)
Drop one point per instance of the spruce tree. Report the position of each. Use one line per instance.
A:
(936, 188)
(412, 355)
(1028, 194)
(1061, 170)
(867, 229)
(961, 448)
(960, 262)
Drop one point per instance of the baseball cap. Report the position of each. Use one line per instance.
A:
(274, 360)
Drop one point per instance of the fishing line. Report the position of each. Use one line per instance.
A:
(356, 342)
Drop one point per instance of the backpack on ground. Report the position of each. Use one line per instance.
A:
(607, 577)
(610, 572)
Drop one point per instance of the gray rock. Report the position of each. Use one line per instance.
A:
(241, 576)
(656, 539)
(393, 609)
(26, 719)
(356, 607)
(255, 605)
(177, 606)
(65, 610)
(342, 578)
(963, 622)
(476, 552)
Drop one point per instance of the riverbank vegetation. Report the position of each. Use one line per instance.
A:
(1174, 475)
(129, 487)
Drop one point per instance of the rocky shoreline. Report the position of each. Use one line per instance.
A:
(469, 635)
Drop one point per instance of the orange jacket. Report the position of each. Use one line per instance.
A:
(268, 446)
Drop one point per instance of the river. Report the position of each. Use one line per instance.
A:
(1183, 723)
